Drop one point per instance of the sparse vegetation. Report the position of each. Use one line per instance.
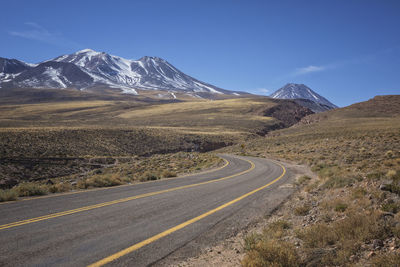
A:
(267, 249)
(127, 170)
(302, 210)
(271, 253)
(8, 195)
(341, 207)
(356, 153)
(303, 179)
(31, 189)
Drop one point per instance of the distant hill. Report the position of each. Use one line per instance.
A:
(304, 96)
(379, 106)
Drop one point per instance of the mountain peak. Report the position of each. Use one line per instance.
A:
(148, 58)
(301, 91)
(85, 50)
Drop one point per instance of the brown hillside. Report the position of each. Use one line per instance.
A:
(379, 106)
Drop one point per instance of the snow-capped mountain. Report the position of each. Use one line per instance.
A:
(11, 68)
(301, 91)
(87, 69)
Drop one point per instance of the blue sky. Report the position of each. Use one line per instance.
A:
(347, 51)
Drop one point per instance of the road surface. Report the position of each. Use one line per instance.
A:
(134, 225)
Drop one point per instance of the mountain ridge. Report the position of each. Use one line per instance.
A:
(86, 69)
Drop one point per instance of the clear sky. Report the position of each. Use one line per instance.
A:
(347, 51)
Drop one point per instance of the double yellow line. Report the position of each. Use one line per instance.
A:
(134, 247)
(105, 204)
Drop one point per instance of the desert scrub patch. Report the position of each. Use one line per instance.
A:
(386, 260)
(101, 180)
(271, 253)
(312, 186)
(276, 229)
(389, 154)
(338, 182)
(303, 180)
(8, 195)
(60, 187)
(149, 176)
(168, 174)
(358, 193)
(375, 175)
(319, 235)
(341, 207)
(250, 241)
(31, 189)
(345, 235)
(393, 188)
(302, 210)
(393, 175)
(392, 207)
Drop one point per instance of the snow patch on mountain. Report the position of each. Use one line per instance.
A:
(55, 75)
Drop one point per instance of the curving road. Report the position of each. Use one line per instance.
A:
(134, 225)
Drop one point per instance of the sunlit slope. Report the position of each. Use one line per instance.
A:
(241, 115)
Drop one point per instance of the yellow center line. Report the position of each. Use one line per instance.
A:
(124, 185)
(180, 226)
(63, 213)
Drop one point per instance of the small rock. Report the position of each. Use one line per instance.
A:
(384, 187)
(353, 258)
(376, 243)
(387, 214)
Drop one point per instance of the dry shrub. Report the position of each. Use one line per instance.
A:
(303, 179)
(8, 195)
(391, 174)
(148, 176)
(302, 210)
(60, 187)
(338, 182)
(101, 181)
(391, 207)
(345, 235)
(251, 240)
(356, 227)
(341, 207)
(31, 189)
(271, 253)
(276, 229)
(387, 260)
(168, 174)
(389, 154)
(358, 193)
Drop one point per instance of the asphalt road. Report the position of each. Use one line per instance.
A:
(134, 225)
